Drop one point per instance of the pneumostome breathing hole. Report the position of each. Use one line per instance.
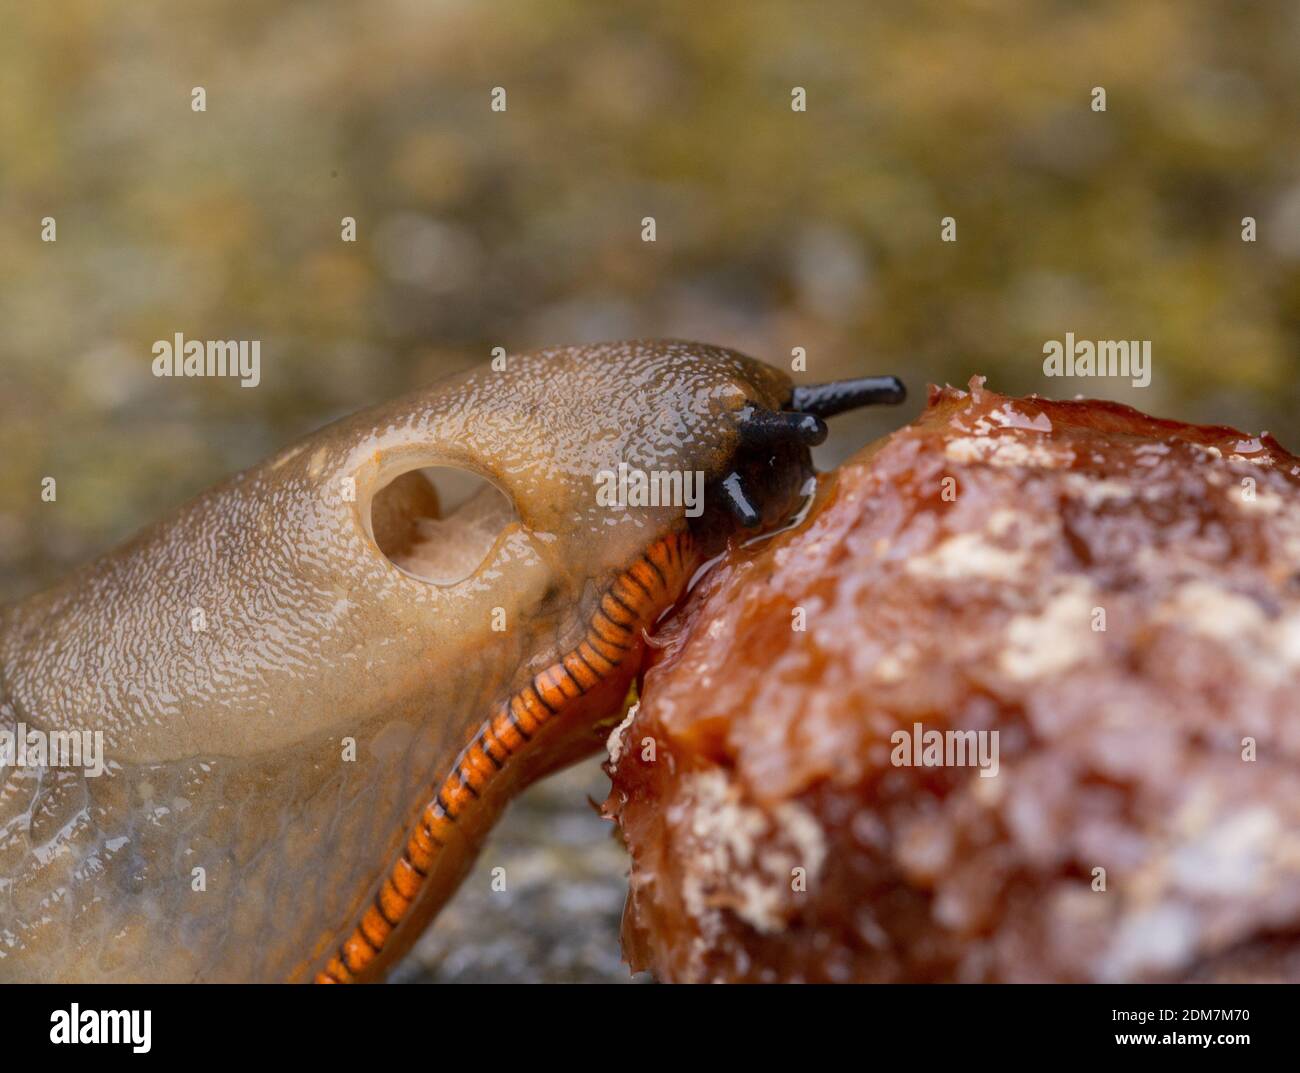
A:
(439, 523)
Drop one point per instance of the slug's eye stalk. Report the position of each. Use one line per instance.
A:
(827, 400)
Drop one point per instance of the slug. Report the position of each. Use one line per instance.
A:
(317, 691)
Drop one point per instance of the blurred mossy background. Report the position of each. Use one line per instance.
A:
(775, 229)
(476, 228)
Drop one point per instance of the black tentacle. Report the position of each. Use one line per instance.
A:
(826, 400)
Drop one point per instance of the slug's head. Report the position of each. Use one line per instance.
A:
(626, 441)
(604, 448)
(768, 470)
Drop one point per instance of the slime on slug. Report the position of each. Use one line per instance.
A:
(296, 789)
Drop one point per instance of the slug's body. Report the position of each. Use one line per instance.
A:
(554, 699)
(304, 742)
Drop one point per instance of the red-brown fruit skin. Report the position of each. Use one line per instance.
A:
(760, 749)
